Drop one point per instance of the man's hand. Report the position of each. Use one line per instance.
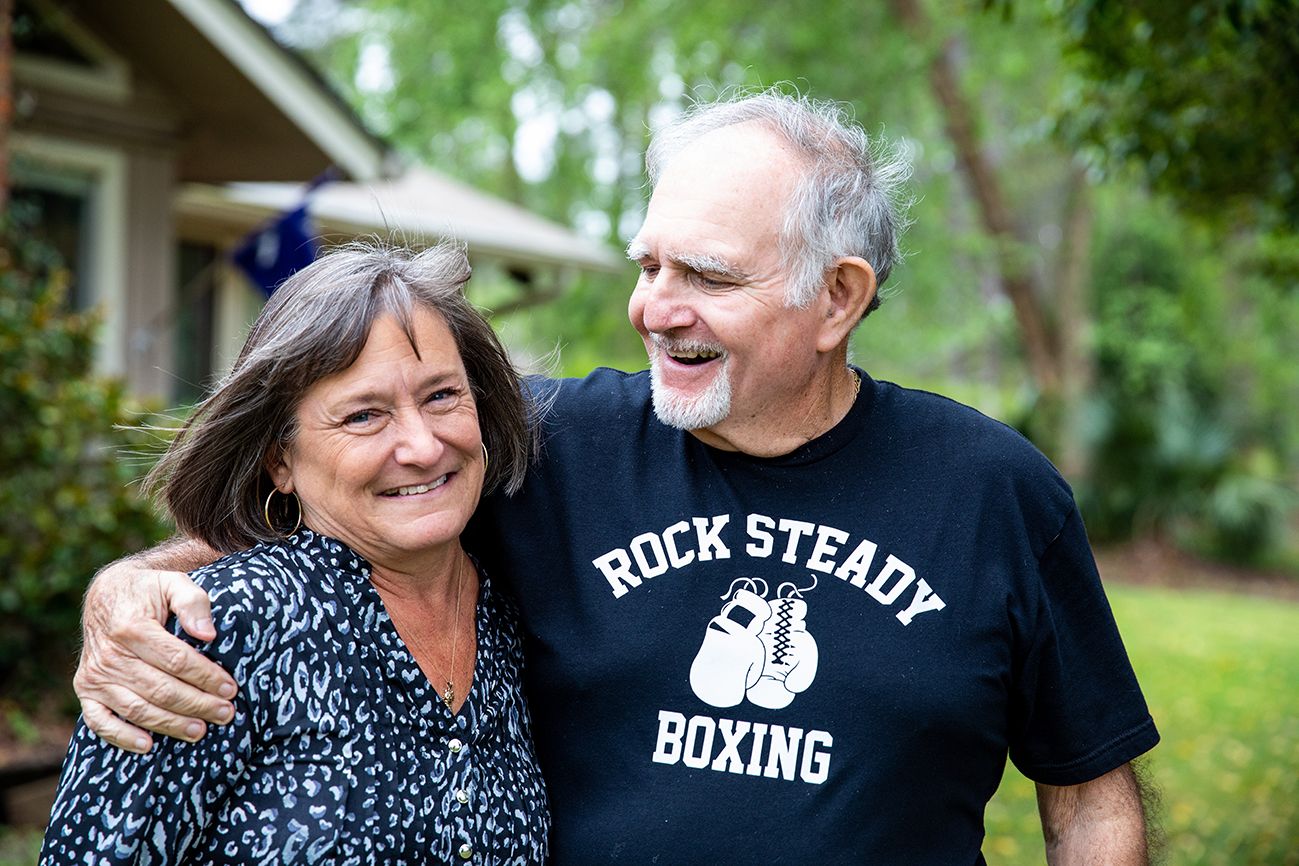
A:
(135, 672)
(1100, 822)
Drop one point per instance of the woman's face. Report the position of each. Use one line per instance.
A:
(388, 455)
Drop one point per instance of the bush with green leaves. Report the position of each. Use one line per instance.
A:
(67, 502)
(1192, 415)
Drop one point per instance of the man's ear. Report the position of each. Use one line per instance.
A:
(279, 465)
(849, 291)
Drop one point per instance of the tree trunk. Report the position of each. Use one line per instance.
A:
(1077, 367)
(1017, 280)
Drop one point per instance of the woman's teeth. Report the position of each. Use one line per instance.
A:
(418, 488)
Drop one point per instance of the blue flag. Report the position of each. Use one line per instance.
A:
(271, 253)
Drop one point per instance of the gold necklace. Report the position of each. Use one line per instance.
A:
(449, 693)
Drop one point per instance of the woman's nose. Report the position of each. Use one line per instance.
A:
(418, 442)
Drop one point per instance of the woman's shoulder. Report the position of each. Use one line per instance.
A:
(276, 596)
(276, 580)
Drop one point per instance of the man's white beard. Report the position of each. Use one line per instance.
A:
(687, 412)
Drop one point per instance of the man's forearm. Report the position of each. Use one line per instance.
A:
(175, 554)
(1098, 822)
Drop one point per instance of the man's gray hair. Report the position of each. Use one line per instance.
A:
(214, 476)
(849, 200)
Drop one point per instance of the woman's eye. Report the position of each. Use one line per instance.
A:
(441, 395)
(359, 418)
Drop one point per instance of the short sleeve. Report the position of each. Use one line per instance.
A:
(116, 807)
(1077, 711)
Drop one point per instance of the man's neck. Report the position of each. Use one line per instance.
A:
(780, 431)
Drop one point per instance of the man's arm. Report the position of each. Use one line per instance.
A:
(1100, 822)
(132, 670)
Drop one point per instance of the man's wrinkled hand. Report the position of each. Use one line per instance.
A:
(134, 675)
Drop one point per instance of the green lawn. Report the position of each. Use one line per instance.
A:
(1221, 674)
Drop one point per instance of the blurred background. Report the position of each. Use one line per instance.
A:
(1103, 254)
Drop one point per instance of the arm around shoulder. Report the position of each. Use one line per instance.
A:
(132, 670)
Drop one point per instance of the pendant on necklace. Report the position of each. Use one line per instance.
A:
(449, 694)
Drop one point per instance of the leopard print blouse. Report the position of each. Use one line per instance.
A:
(340, 750)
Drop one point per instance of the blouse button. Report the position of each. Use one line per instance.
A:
(455, 746)
(462, 795)
(465, 851)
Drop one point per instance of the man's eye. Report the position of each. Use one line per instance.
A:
(711, 282)
(649, 271)
(365, 416)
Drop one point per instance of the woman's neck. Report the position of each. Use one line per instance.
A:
(428, 580)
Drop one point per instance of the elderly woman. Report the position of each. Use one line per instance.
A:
(380, 716)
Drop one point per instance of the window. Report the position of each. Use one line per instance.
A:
(195, 320)
(76, 194)
(58, 217)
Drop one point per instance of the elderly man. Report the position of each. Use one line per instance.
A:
(778, 611)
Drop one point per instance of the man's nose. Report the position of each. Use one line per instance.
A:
(666, 303)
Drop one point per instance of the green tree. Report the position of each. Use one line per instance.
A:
(1200, 95)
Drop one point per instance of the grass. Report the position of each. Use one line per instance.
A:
(1221, 675)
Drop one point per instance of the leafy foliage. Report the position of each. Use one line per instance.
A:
(1201, 95)
(1191, 431)
(63, 485)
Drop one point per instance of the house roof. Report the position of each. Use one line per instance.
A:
(248, 89)
(421, 204)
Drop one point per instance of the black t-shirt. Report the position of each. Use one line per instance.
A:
(823, 657)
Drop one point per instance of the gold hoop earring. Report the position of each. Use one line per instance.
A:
(486, 460)
(266, 513)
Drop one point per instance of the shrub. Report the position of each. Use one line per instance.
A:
(1190, 414)
(66, 501)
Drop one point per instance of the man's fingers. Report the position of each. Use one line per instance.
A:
(137, 710)
(159, 648)
(179, 698)
(146, 664)
(169, 686)
(190, 604)
(111, 729)
(170, 673)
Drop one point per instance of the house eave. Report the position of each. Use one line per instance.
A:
(290, 86)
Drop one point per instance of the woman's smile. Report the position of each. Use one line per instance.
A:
(416, 489)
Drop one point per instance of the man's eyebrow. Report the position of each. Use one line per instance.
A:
(706, 263)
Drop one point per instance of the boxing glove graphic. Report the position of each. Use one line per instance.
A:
(790, 654)
(731, 656)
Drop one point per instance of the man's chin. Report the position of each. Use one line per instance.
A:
(703, 404)
(689, 412)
